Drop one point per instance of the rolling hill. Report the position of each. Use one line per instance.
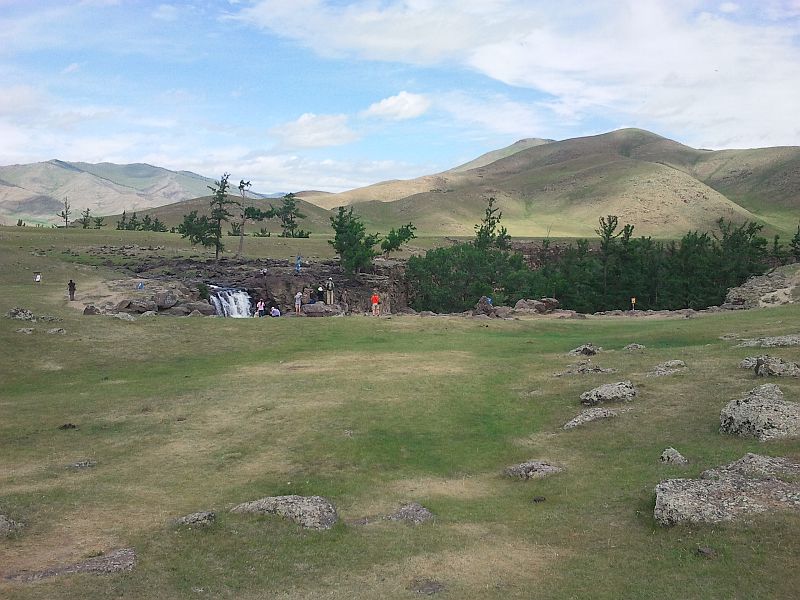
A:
(662, 187)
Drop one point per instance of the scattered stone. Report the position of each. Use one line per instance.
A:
(672, 456)
(49, 318)
(83, 464)
(313, 512)
(26, 330)
(8, 526)
(634, 347)
(428, 587)
(66, 426)
(124, 316)
(21, 314)
(584, 367)
(91, 309)
(57, 331)
(706, 552)
(115, 561)
(533, 469)
(750, 485)
(197, 519)
(749, 362)
(772, 366)
(667, 368)
(772, 342)
(412, 513)
(589, 415)
(761, 413)
(538, 499)
(622, 391)
(585, 350)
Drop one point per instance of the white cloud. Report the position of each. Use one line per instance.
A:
(494, 113)
(71, 68)
(670, 65)
(400, 107)
(314, 131)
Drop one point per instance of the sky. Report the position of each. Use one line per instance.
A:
(337, 94)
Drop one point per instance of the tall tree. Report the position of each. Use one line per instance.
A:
(98, 222)
(219, 211)
(85, 218)
(489, 233)
(351, 242)
(243, 185)
(64, 214)
(289, 213)
(397, 237)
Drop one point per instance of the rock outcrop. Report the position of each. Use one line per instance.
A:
(669, 367)
(621, 391)
(585, 350)
(672, 456)
(413, 514)
(792, 339)
(204, 518)
(590, 414)
(115, 561)
(584, 367)
(312, 512)
(762, 413)
(533, 469)
(750, 485)
(772, 366)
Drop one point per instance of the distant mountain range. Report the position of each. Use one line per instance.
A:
(543, 187)
(35, 192)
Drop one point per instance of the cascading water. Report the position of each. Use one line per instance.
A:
(230, 303)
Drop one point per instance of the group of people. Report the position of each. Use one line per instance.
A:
(261, 310)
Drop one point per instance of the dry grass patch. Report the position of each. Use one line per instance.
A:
(365, 364)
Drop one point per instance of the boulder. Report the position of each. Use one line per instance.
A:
(57, 331)
(141, 305)
(622, 391)
(672, 456)
(195, 313)
(530, 305)
(533, 469)
(166, 299)
(750, 485)
(91, 309)
(633, 347)
(201, 306)
(503, 312)
(589, 415)
(772, 366)
(669, 367)
(550, 304)
(761, 413)
(124, 317)
(312, 512)
(585, 350)
(483, 307)
(320, 309)
(25, 330)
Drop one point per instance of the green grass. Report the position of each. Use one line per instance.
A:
(190, 414)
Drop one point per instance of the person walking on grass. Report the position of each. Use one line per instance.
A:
(376, 304)
(298, 301)
(71, 287)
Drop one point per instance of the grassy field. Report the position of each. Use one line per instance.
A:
(185, 414)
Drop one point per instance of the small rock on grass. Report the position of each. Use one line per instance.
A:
(8, 526)
(585, 350)
(427, 587)
(589, 415)
(413, 514)
(197, 519)
(672, 456)
(312, 512)
(116, 561)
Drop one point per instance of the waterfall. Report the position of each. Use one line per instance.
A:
(230, 303)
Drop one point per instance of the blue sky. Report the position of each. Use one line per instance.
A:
(336, 94)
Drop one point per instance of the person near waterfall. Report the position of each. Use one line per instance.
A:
(261, 308)
(329, 285)
(298, 301)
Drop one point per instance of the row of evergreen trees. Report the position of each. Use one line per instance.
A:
(693, 272)
(134, 223)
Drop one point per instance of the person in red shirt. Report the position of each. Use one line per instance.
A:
(376, 304)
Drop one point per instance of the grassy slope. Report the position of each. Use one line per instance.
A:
(191, 414)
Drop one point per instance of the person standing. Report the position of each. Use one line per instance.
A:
(297, 264)
(329, 291)
(345, 302)
(376, 304)
(261, 308)
(298, 301)
(71, 287)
